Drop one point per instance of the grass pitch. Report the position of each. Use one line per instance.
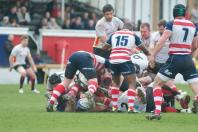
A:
(26, 113)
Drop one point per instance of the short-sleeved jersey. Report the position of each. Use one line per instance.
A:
(98, 61)
(104, 27)
(183, 32)
(20, 53)
(122, 43)
(162, 55)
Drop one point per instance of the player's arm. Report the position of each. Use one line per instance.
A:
(161, 42)
(100, 33)
(141, 46)
(12, 58)
(107, 44)
(11, 61)
(31, 62)
(166, 34)
(194, 45)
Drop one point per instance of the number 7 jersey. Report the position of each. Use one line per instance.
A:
(122, 43)
(183, 32)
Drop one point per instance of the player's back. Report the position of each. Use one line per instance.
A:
(183, 32)
(122, 42)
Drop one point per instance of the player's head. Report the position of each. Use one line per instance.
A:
(83, 105)
(24, 40)
(161, 26)
(54, 79)
(108, 12)
(145, 30)
(179, 10)
(128, 26)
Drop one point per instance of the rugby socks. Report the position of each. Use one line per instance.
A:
(92, 86)
(131, 93)
(114, 94)
(32, 83)
(74, 90)
(22, 81)
(157, 94)
(58, 90)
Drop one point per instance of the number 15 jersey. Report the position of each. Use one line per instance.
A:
(183, 32)
(122, 43)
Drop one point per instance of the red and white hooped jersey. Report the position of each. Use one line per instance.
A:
(98, 62)
(183, 32)
(122, 43)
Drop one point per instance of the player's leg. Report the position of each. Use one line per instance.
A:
(62, 87)
(194, 87)
(131, 93)
(191, 76)
(167, 72)
(128, 71)
(23, 73)
(115, 91)
(32, 76)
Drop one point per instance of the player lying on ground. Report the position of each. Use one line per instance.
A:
(87, 63)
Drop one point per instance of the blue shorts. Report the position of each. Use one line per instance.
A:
(182, 64)
(125, 68)
(83, 62)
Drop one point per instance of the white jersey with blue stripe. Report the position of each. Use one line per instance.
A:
(183, 32)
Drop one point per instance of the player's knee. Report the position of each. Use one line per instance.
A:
(23, 73)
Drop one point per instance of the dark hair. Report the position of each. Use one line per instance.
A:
(128, 26)
(54, 79)
(162, 23)
(107, 7)
(179, 10)
(145, 24)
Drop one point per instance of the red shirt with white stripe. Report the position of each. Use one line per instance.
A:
(122, 43)
(183, 32)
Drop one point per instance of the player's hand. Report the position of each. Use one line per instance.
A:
(151, 59)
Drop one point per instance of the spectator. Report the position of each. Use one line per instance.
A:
(23, 16)
(45, 24)
(91, 25)
(14, 23)
(94, 17)
(5, 22)
(13, 14)
(54, 7)
(47, 15)
(59, 19)
(53, 24)
(66, 24)
(194, 13)
(8, 46)
(77, 24)
(85, 19)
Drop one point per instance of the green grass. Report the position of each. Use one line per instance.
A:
(26, 113)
